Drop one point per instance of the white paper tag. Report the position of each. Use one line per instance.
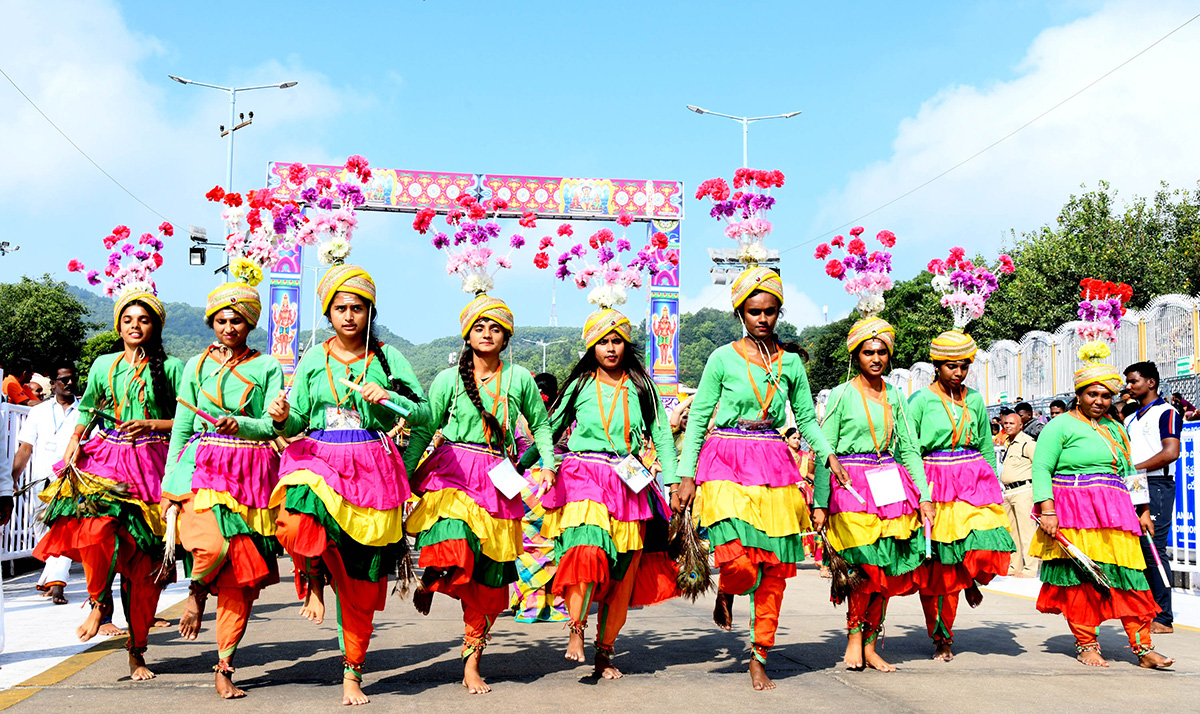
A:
(505, 478)
(339, 419)
(1138, 487)
(886, 487)
(633, 473)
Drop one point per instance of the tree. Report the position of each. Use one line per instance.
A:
(99, 344)
(41, 321)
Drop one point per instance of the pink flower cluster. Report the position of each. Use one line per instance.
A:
(124, 275)
(467, 251)
(964, 286)
(744, 211)
(865, 274)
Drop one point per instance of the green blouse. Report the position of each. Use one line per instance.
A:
(1070, 446)
(849, 432)
(589, 433)
(127, 391)
(509, 394)
(935, 432)
(316, 386)
(243, 392)
(732, 387)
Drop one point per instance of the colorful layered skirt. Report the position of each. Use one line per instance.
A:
(597, 524)
(749, 498)
(353, 485)
(886, 542)
(971, 541)
(1096, 514)
(119, 477)
(531, 598)
(466, 527)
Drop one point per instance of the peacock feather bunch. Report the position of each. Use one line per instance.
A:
(846, 578)
(695, 576)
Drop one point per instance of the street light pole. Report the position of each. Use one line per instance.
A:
(745, 122)
(232, 115)
(544, 345)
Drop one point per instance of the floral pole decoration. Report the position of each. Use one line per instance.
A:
(1100, 309)
(744, 211)
(964, 286)
(335, 201)
(468, 251)
(867, 275)
(607, 277)
(129, 264)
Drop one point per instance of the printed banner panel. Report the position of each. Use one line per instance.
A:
(389, 189)
(1183, 527)
(283, 322)
(587, 197)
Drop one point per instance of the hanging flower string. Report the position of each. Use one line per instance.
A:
(867, 275)
(468, 251)
(744, 211)
(607, 277)
(129, 264)
(964, 286)
(1100, 309)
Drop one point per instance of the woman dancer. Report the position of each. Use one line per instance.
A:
(813, 546)
(469, 533)
(220, 476)
(103, 511)
(342, 487)
(1080, 495)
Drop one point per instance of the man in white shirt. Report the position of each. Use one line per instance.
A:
(1154, 433)
(41, 442)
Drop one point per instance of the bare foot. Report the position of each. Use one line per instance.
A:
(313, 610)
(352, 693)
(423, 600)
(853, 659)
(91, 624)
(472, 680)
(110, 630)
(575, 647)
(193, 613)
(138, 671)
(161, 622)
(1153, 660)
(874, 661)
(974, 596)
(758, 676)
(942, 653)
(1091, 658)
(605, 668)
(723, 611)
(1157, 628)
(826, 572)
(226, 687)
(56, 595)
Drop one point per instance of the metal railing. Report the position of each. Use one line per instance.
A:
(20, 535)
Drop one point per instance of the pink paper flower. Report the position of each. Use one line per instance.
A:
(887, 238)
(822, 251)
(857, 231)
(835, 269)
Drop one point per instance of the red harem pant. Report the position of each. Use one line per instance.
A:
(944, 584)
(314, 556)
(232, 569)
(104, 546)
(759, 574)
(614, 598)
(481, 604)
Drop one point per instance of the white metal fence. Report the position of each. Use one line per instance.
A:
(19, 536)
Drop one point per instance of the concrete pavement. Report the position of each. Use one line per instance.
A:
(1010, 659)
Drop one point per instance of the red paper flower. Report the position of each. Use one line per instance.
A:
(743, 177)
(857, 231)
(110, 241)
(298, 173)
(454, 217)
(466, 200)
(75, 266)
(324, 183)
(545, 243)
(157, 258)
(966, 266)
(1006, 264)
(166, 229)
(856, 247)
(541, 260)
(233, 199)
(254, 218)
(715, 188)
(146, 238)
(121, 232)
(822, 251)
(673, 257)
(887, 238)
(476, 212)
(423, 219)
(936, 267)
(838, 242)
(358, 166)
(835, 269)
(528, 219)
(624, 219)
(216, 194)
(566, 230)
(594, 243)
(497, 204)
(659, 240)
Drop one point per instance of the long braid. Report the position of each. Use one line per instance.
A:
(394, 384)
(466, 371)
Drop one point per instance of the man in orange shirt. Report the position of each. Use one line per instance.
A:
(14, 387)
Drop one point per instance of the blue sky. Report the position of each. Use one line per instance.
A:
(892, 94)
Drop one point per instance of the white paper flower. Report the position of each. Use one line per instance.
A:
(607, 296)
(476, 283)
(941, 283)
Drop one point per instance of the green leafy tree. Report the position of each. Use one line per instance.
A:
(99, 344)
(41, 321)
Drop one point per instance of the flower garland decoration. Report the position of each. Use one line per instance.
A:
(867, 275)
(130, 264)
(468, 251)
(335, 203)
(744, 211)
(1100, 309)
(607, 277)
(257, 227)
(964, 286)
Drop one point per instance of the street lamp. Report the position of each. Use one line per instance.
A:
(232, 102)
(6, 248)
(543, 344)
(745, 122)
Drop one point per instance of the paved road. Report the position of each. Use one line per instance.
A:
(1011, 659)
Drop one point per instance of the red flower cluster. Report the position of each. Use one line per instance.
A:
(497, 204)
(600, 237)
(547, 242)
(856, 247)
(466, 200)
(157, 258)
(216, 194)
(324, 183)
(835, 269)
(454, 217)
(358, 166)
(233, 200)
(254, 219)
(887, 238)
(423, 219)
(298, 173)
(528, 219)
(659, 240)
(1006, 265)
(838, 242)
(121, 232)
(753, 177)
(166, 229)
(956, 257)
(715, 188)
(75, 266)
(822, 251)
(566, 230)
(476, 212)
(857, 231)
(541, 260)
(1092, 289)
(624, 219)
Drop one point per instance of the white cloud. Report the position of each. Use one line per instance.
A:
(1132, 129)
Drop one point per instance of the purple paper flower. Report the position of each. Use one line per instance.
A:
(141, 255)
(440, 240)
(325, 204)
(350, 194)
(93, 277)
(722, 209)
(578, 250)
(491, 229)
(623, 245)
(564, 258)
(517, 241)
(604, 254)
(309, 195)
(563, 272)
(461, 236)
(281, 225)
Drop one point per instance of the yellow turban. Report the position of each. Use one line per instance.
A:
(951, 346)
(485, 307)
(753, 279)
(239, 297)
(1102, 374)
(869, 328)
(602, 322)
(145, 297)
(345, 279)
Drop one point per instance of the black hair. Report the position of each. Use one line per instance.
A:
(1058, 403)
(547, 384)
(790, 430)
(1006, 411)
(1023, 407)
(1129, 409)
(854, 353)
(164, 391)
(585, 370)
(59, 366)
(466, 372)
(376, 348)
(1148, 370)
(793, 347)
